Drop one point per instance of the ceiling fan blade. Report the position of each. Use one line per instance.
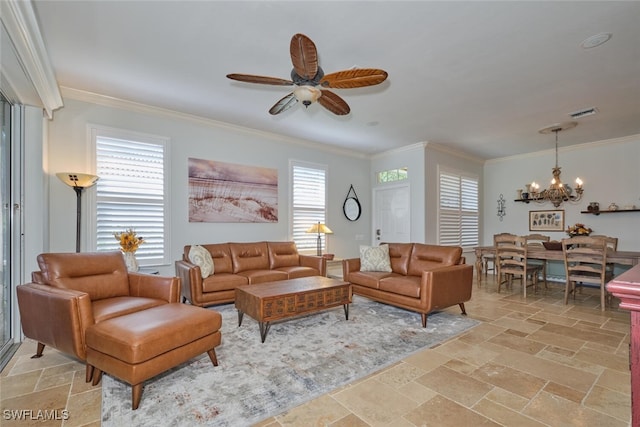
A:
(284, 104)
(248, 78)
(334, 103)
(358, 77)
(304, 56)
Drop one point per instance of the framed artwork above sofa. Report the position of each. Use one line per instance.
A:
(227, 192)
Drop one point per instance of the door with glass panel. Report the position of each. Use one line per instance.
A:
(6, 339)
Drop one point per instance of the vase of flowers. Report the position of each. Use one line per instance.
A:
(579, 230)
(129, 244)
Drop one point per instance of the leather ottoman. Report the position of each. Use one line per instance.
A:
(141, 345)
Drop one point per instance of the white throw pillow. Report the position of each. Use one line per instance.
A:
(202, 258)
(375, 258)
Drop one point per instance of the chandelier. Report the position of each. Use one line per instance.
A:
(557, 193)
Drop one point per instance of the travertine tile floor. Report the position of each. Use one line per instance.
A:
(529, 363)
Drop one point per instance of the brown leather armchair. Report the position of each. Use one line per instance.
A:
(76, 290)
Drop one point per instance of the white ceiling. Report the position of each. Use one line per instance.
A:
(482, 77)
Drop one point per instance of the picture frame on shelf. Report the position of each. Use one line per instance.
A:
(549, 220)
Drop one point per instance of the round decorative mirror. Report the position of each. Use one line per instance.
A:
(351, 208)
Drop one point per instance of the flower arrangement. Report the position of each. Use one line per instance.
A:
(578, 230)
(129, 240)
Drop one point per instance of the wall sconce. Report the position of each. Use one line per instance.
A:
(78, 181)
(501, 209)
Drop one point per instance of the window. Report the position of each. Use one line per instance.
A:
(132, 192)
(308, 198)
(458, 215)
(393, 175)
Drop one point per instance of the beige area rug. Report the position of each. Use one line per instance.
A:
(301, 359)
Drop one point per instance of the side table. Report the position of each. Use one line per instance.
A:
(334, 268)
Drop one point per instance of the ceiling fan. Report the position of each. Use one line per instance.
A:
(312, 84)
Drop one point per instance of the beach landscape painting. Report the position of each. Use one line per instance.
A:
(227, 192)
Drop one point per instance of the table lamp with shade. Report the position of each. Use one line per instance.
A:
(320, 229)
(78, 181)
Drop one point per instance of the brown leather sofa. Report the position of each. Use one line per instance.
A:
(237, 264)
(424, 278)
(77, 290)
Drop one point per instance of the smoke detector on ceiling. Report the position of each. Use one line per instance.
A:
(584, 112)
(594, 41)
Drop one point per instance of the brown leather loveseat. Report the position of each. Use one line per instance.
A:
(236, 264)
(423, 278)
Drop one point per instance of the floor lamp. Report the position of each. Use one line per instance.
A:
(78, 181)
(319, 228)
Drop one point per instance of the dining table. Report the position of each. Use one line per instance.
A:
(631, 258)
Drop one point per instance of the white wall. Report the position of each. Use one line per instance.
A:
(35, 197)
(190, 137)
(608, 169)
(610, 173)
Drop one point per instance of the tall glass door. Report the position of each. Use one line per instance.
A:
(6, 292)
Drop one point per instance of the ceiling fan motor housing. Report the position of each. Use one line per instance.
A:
(301, 81)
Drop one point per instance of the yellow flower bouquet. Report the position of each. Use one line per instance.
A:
(578, 230)
(129, 240)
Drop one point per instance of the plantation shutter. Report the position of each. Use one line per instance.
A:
(308, 205)
(131, 194)
(458, 213)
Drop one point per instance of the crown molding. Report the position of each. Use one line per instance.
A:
(21, 24)
(430, 145)
(418, 145)
(587, 145)
(109, 101)
(454, 152)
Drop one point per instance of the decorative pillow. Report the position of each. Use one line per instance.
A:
(202, 258)
(375, 258)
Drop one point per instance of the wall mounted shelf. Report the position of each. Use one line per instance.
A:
(530, 200)
(608, 212)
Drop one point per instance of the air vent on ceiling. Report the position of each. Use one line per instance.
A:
(583, 113)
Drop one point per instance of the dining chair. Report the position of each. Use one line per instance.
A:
(491, 258)
(585, 261)
(536, 240)
(511, 260)
(612, 245)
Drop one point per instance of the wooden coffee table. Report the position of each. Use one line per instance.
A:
(266, 302)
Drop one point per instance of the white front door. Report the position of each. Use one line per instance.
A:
(392, 215)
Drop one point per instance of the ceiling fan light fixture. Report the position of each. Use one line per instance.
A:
(307, 94)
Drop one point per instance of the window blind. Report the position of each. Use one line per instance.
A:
(131, 194)
(308, 205)
(458, 213)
